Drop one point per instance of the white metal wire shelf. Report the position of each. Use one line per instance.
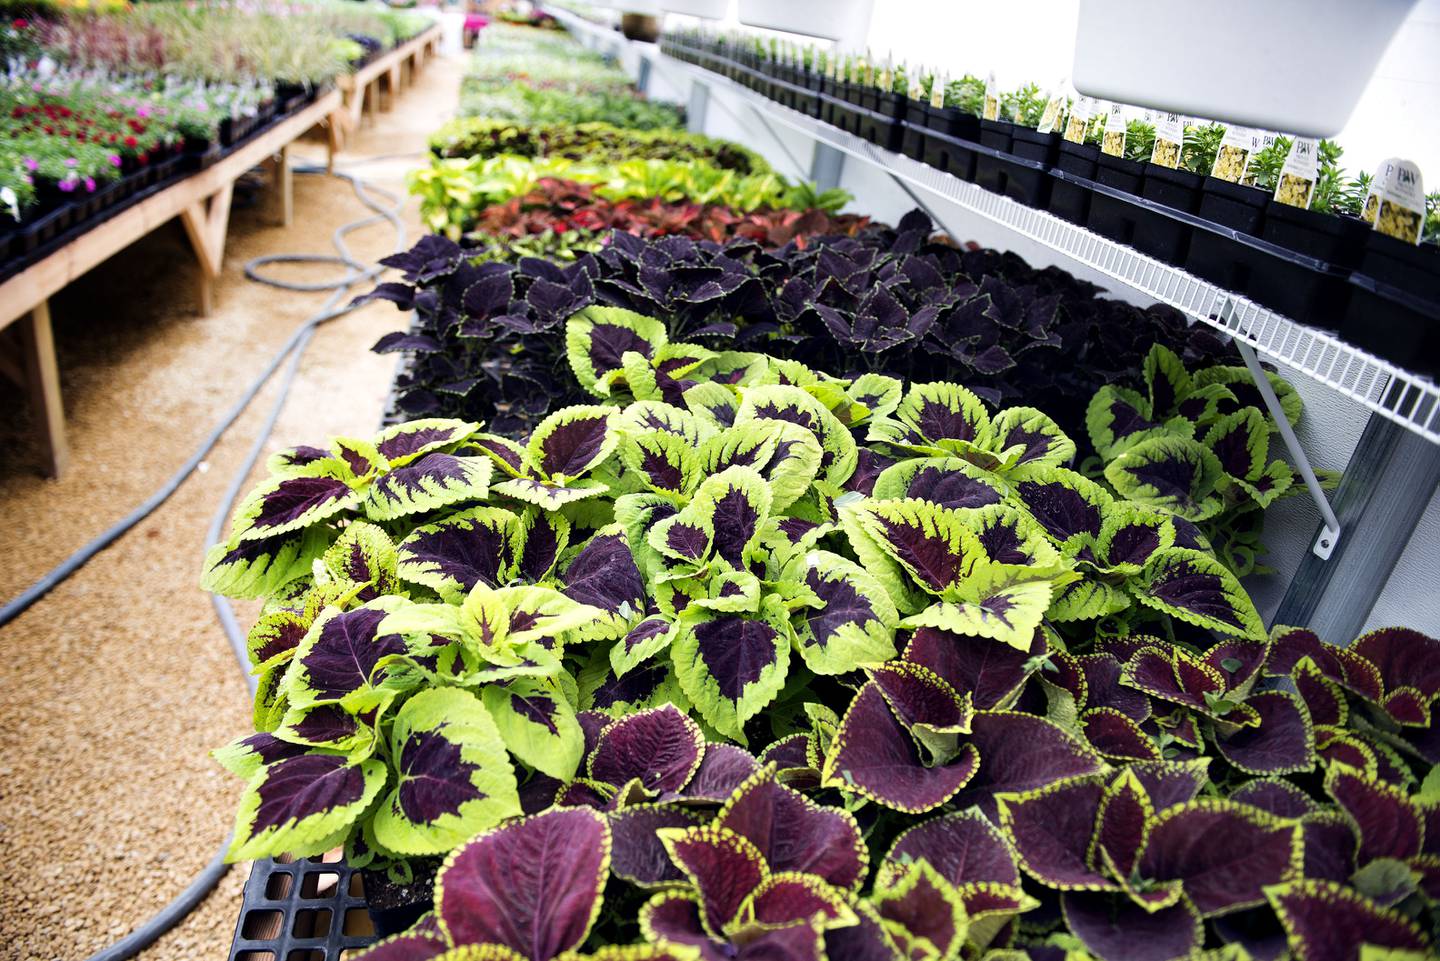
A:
(1404, 397)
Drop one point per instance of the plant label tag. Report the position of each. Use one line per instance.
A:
(867, 73)
(1259, 143)
(992, 99)
(1395, 205)
(1297, 177)
(886, 79)
(1113, 141)
(938, 83)
(1169, 139)
(1233, 155)
(1054, 108)
(1077, 121)
(917, 87)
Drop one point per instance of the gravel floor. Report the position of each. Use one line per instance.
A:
(118, 683)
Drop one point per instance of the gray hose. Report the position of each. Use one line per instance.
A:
(293, 348)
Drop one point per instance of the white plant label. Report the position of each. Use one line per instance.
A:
(1233, 155)
(1396, 203)
(1113, 141)
(937, 90)
(1297, 177)
(992, 99)
(1054, 107)
(1079, 119)
(1169, 140)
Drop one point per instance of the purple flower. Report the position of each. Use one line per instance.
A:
(114, 160)
(31, 164)
(66, 185)
(90, 184)
(71, 162)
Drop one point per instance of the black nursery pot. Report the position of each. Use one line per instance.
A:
(394, 907)
(1335, 239)
(883, 125)
(1069, 199)
(1169, 237)
(1116, 217)
(1393, 324)
(1017, 161)
(1236, 210)
(948, 138)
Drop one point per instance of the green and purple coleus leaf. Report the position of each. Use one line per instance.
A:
(854, 624)
(597, 339)
(780, 402)
(264, 567)
(537, 723)
(732, 665)
(343, 657)
(947, 420)
(452, 555)
(453, 775)
(1196, 588)
(564, 448)
(534, 885)
(1169, 473)
(303, 805)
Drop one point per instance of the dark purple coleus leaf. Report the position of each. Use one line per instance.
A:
(868, 466)
(919, 910)
(460, 551)
(434, 779)
(992, 673)
(951, 488)
(675, 919)
(410, 946)
(723, 769)
(1330, 846)
(637, 685)
(637, 854)
(964, 847)
(1283, 742)
(1115, 735)
(724, 867)
(573, 444)
(1051, 829)
(1388, 823)
(1258, 850)
(874, 755)
(1329, 922)
(1021, 752)
(1404, 658)
(604, 575)
(1114, 928)
(1168, 783)
(793, 833)
(342, 657)
(1279, 797)
(661, 748)
(532, 885)
(1104, 687)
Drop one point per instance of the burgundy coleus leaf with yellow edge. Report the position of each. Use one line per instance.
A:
(1283, 742)
(1406, 661)
(1327, 921)
(1223, 854)
(874, 753)
(1173, 675)
(1388, 822)
(1051, 828)
(793, 833)
(339, 659)
(534, 885)
(1115, 929)
(293, 502)
(433, 481)
(921, 911)
(604, 576)
(1021, 752)
(661, 749)
(992, 673)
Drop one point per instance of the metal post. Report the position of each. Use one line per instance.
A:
(826, 165)
(1388, 483)
(699, 105)
(642, 80)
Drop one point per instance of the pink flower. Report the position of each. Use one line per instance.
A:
(66, 185)
(71, 162)
(90, 184)
(31, 164)
(114, 160)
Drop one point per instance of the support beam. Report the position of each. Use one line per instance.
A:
(282, 185)
(42, 376)
(826, 165)
(1388, 483)
(698, 107)
(206, 224)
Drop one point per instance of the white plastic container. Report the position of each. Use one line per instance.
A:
(845, 21)
(1296, 66)
(709, 9)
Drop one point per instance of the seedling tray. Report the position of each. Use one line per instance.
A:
(312, 909)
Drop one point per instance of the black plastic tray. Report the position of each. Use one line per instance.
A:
(306, 910)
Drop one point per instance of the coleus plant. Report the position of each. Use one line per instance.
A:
(887, 300)
(1196, 445)
(713, 536)
(1070, 848)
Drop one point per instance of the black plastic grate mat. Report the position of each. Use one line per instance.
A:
(307, 910)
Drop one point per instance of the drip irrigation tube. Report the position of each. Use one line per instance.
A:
(293, 348)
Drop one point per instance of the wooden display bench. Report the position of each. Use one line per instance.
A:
(201, 201)
(375, 85)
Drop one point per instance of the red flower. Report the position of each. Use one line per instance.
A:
(19, 23)
(131, 142)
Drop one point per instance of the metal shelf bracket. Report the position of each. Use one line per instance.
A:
(1324, 545)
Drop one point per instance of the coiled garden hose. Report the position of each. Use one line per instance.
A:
(293, 349)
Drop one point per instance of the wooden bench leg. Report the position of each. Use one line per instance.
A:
(392, 87)
(42, 378)
(206, 223)
(282, 184)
